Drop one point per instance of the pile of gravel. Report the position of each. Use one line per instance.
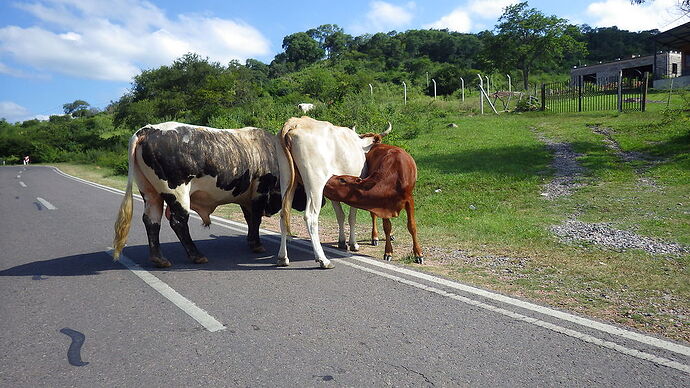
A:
(603, 234)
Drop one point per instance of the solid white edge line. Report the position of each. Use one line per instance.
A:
(546, 325)
(603, 327)
(205, 319)
(45, 203)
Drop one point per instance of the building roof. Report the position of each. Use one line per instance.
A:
(677, 38)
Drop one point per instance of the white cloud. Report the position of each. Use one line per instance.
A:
(489, 9)
(661, 14)
(472, 16)
(114, 39)
(13, 112)
(458, 21)
(383, 17)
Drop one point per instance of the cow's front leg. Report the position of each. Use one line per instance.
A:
(352, 221)
(179, 218)
(340, 217)
(252, 215)
(374, 230)
(387, 228)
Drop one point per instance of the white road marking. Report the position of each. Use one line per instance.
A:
(645, 339)
(305, 246)
(19, 176)
(530, 320)
(22, 184)
(45, 203)
(211, 324)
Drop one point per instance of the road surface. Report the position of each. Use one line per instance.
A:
(70, 316)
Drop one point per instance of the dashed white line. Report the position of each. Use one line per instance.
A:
(211, 324)
(22, 184)
(45, 203)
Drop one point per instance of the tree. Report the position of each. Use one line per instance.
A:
(683, 5)
(76, 106)
(526, 38)
(301, 49)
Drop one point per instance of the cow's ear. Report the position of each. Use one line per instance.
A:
(358, 180)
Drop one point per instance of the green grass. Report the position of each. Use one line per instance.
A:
(478, 191)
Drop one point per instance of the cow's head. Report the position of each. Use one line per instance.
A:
(346, 188)
(369, 139)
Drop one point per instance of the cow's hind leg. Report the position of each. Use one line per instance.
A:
(153, 213)
(412, 227)
(387, 228)
(179, 218)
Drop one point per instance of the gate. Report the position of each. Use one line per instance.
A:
(612, 93)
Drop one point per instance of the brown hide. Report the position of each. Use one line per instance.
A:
(387, 188)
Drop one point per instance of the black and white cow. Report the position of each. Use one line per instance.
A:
(198, 168)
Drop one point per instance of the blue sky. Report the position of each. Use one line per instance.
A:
(56, 51)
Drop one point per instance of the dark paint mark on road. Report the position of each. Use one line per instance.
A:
(74, 352)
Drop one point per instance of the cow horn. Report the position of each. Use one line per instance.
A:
(354, 128)
(387, 131)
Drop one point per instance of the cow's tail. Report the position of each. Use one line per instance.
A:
(124, 215)
(290, 190)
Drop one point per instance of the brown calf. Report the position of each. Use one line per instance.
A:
(392, 174)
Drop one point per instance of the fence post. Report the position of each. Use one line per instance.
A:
(579, 93)
(644, 91)
(620, 90)
(543, 97)
(481, 95)
(405, 91)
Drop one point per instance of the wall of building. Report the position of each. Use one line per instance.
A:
(678, 83)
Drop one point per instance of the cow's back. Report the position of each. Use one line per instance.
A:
(225, 162)
(325, 149)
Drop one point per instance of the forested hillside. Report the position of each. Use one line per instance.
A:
(330, 68)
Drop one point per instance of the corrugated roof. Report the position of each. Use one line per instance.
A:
(675, 38)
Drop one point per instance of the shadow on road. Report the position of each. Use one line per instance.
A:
(224, 254)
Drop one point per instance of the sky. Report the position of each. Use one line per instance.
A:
(53, 52)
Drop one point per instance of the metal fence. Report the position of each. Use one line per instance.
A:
(613, 93)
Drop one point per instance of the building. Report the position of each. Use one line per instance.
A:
(671, 64)
(677, 39)
(667, 64)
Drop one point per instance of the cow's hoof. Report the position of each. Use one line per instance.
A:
(282, 262)
(200, 260)
(419, 260)
(387, 257)
(161, 263)
(342, 245)
(258, 249)
(375, 242)
(326, 264)
(354, 247)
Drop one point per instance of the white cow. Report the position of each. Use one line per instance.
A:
(305, 107)
(314, 151)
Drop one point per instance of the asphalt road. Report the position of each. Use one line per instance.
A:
(70, 316)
